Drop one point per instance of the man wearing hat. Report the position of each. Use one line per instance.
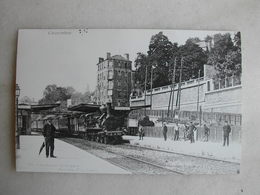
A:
(164, 131)
(226, 132)
(48, 133)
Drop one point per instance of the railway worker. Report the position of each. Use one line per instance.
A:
(192, 128)
(206, 132)
(141, 132)
(186, 131)
(48, 133)
(226, 132)
(176, 131)
(165, 131)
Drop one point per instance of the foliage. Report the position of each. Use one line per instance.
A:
(160, 53)
(54, 93)
(25, 100)
(161, 56)
(194, 57)
(78, 97)
(226, 55)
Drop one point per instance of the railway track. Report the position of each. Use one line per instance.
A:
(188, 155)
(143, 161)
(92, 147)
(138, 159)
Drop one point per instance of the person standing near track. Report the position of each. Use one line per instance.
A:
(226, 132)
(48, 133)
(141, 132)
(192, 128)
(165, 131)
(206, 133)
(176, 131)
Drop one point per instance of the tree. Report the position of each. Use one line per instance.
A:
(225, 56)
(25, 100)
(78, 97)
(160, 54)
(53, 94)
(194, 58)
(140, 63)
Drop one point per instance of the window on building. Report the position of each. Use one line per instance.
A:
(208, 86)
(110, 74)
(110, 85)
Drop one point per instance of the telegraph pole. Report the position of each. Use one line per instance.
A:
(173, 82)
(169, 104)
(151, 88)
(198, 97)
(179, 99)
(145, 80)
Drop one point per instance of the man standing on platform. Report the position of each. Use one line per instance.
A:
(206, 133)
(192, 128)
(176, 131)
(48, 133)
(141, 132)
(165, 131)
(226, 132)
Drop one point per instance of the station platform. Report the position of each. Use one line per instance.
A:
(70, 159)
(212, 150)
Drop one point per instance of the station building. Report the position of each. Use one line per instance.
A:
(114, 80)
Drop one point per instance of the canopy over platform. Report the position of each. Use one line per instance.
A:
(87, 108)
(38, 107)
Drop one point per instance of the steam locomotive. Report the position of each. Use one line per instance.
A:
(103, 123)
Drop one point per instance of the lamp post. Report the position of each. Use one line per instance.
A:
(17, 94)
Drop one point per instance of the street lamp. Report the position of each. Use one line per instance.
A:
(17, 94)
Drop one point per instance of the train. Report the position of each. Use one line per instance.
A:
(103, 123)
(100, 123)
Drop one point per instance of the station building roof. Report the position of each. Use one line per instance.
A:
(87, 108)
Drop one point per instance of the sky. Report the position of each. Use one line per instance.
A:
(68, 57)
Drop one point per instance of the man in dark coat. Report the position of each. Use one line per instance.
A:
(206, 132)
(226, 132)
(48, 133)
(141, 132)
(165, 131)
(192, 128)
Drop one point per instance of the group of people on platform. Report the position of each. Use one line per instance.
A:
(190, 130)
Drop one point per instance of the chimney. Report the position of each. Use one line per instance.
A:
(100, 60)
(108, 55)
(127, 56)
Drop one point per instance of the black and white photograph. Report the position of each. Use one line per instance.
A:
(128, 101)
